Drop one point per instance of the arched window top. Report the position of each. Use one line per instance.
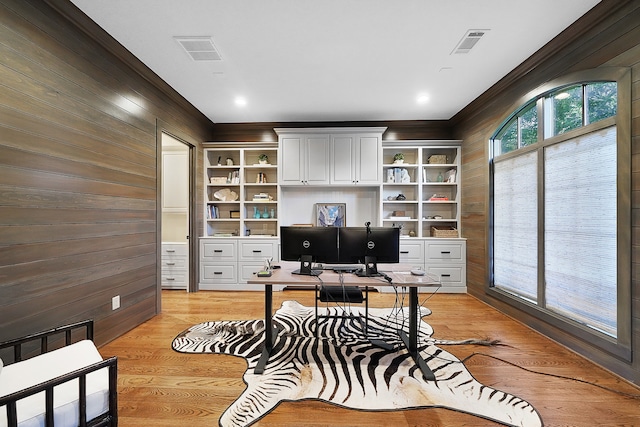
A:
(555, 111)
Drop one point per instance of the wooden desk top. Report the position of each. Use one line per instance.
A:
(399, 277)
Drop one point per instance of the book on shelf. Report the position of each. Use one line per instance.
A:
(399, 217)
(213, 212)
(438, 198)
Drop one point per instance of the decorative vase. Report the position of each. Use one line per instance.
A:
(273, 213)
(256, 212)
(265, 214)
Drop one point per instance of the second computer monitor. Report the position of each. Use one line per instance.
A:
(380, 243)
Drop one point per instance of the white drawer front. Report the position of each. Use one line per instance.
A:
(411, 252)
(174, 262)
(257, 250)
(174, 278)
(171, 249)
(445, 251)
(448, 275)
(247, 271)
(218, 273)
(216, 250)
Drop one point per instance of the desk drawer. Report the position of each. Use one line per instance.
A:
(174, 279)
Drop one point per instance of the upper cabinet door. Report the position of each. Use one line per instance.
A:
(292, 161)
(304, 160)
(342, 159)
(356, 159)
(368, 159)
(317, 160)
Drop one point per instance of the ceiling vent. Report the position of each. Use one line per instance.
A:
(199, 48)
(469, 41)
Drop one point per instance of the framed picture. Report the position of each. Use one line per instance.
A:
(331, 214)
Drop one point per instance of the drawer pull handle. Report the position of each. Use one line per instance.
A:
(171, 278)
(171, 263)
(217, 272)
(217, 251)
(257, 251)
(445, 275)
(171, 250)
(404, 252)
(445, 252)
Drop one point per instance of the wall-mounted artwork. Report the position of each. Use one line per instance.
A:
(331, 214)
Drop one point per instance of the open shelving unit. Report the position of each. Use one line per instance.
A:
(252, 208)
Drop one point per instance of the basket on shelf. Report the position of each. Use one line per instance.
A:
(437, 159)
(444, 232)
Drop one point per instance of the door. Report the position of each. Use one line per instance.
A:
(175, 195)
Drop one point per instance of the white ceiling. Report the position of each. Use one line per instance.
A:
(333, 60)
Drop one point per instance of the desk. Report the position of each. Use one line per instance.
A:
(283, 276)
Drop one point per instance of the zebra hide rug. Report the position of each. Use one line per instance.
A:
(342, 367)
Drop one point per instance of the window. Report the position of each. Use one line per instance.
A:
(560, 210)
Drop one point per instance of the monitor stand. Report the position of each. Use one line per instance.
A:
(370, 268)
(305, 267)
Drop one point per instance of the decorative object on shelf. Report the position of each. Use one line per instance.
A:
(401, 197)
(440, 177)
(229, 161)
(437, 159)
(226, 195)
(263, 159)
(261, 178)
(218, 180)
(398, 158)
(265, 214)
(398, 175)
(438, 198)
(262, 197)
(219, 160)
(444, 232)
(450, 176)
(331, 214)
(234, 214)
(273, 213)
(391, 176)
(256, 212)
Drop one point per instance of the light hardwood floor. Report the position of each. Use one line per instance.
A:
(160, 387)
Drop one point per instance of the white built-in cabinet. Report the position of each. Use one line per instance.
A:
(419, 195)
(356, 159)
(241, 196)
(305, 159)
(422, 192)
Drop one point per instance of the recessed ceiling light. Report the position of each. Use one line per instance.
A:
(240, 101)
(422, 99)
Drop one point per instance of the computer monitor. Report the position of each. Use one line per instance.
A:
(369, 245)
(309, 245)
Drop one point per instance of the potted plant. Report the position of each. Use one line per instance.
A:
(263, 159)
(398, 158)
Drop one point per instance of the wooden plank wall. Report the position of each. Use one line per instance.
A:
(607, 36)
(78, 172)
(396, 129)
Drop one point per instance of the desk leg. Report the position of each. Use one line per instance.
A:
(269, 330)
(411, 341)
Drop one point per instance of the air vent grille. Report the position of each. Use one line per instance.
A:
(468, 41)
(199, 48)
